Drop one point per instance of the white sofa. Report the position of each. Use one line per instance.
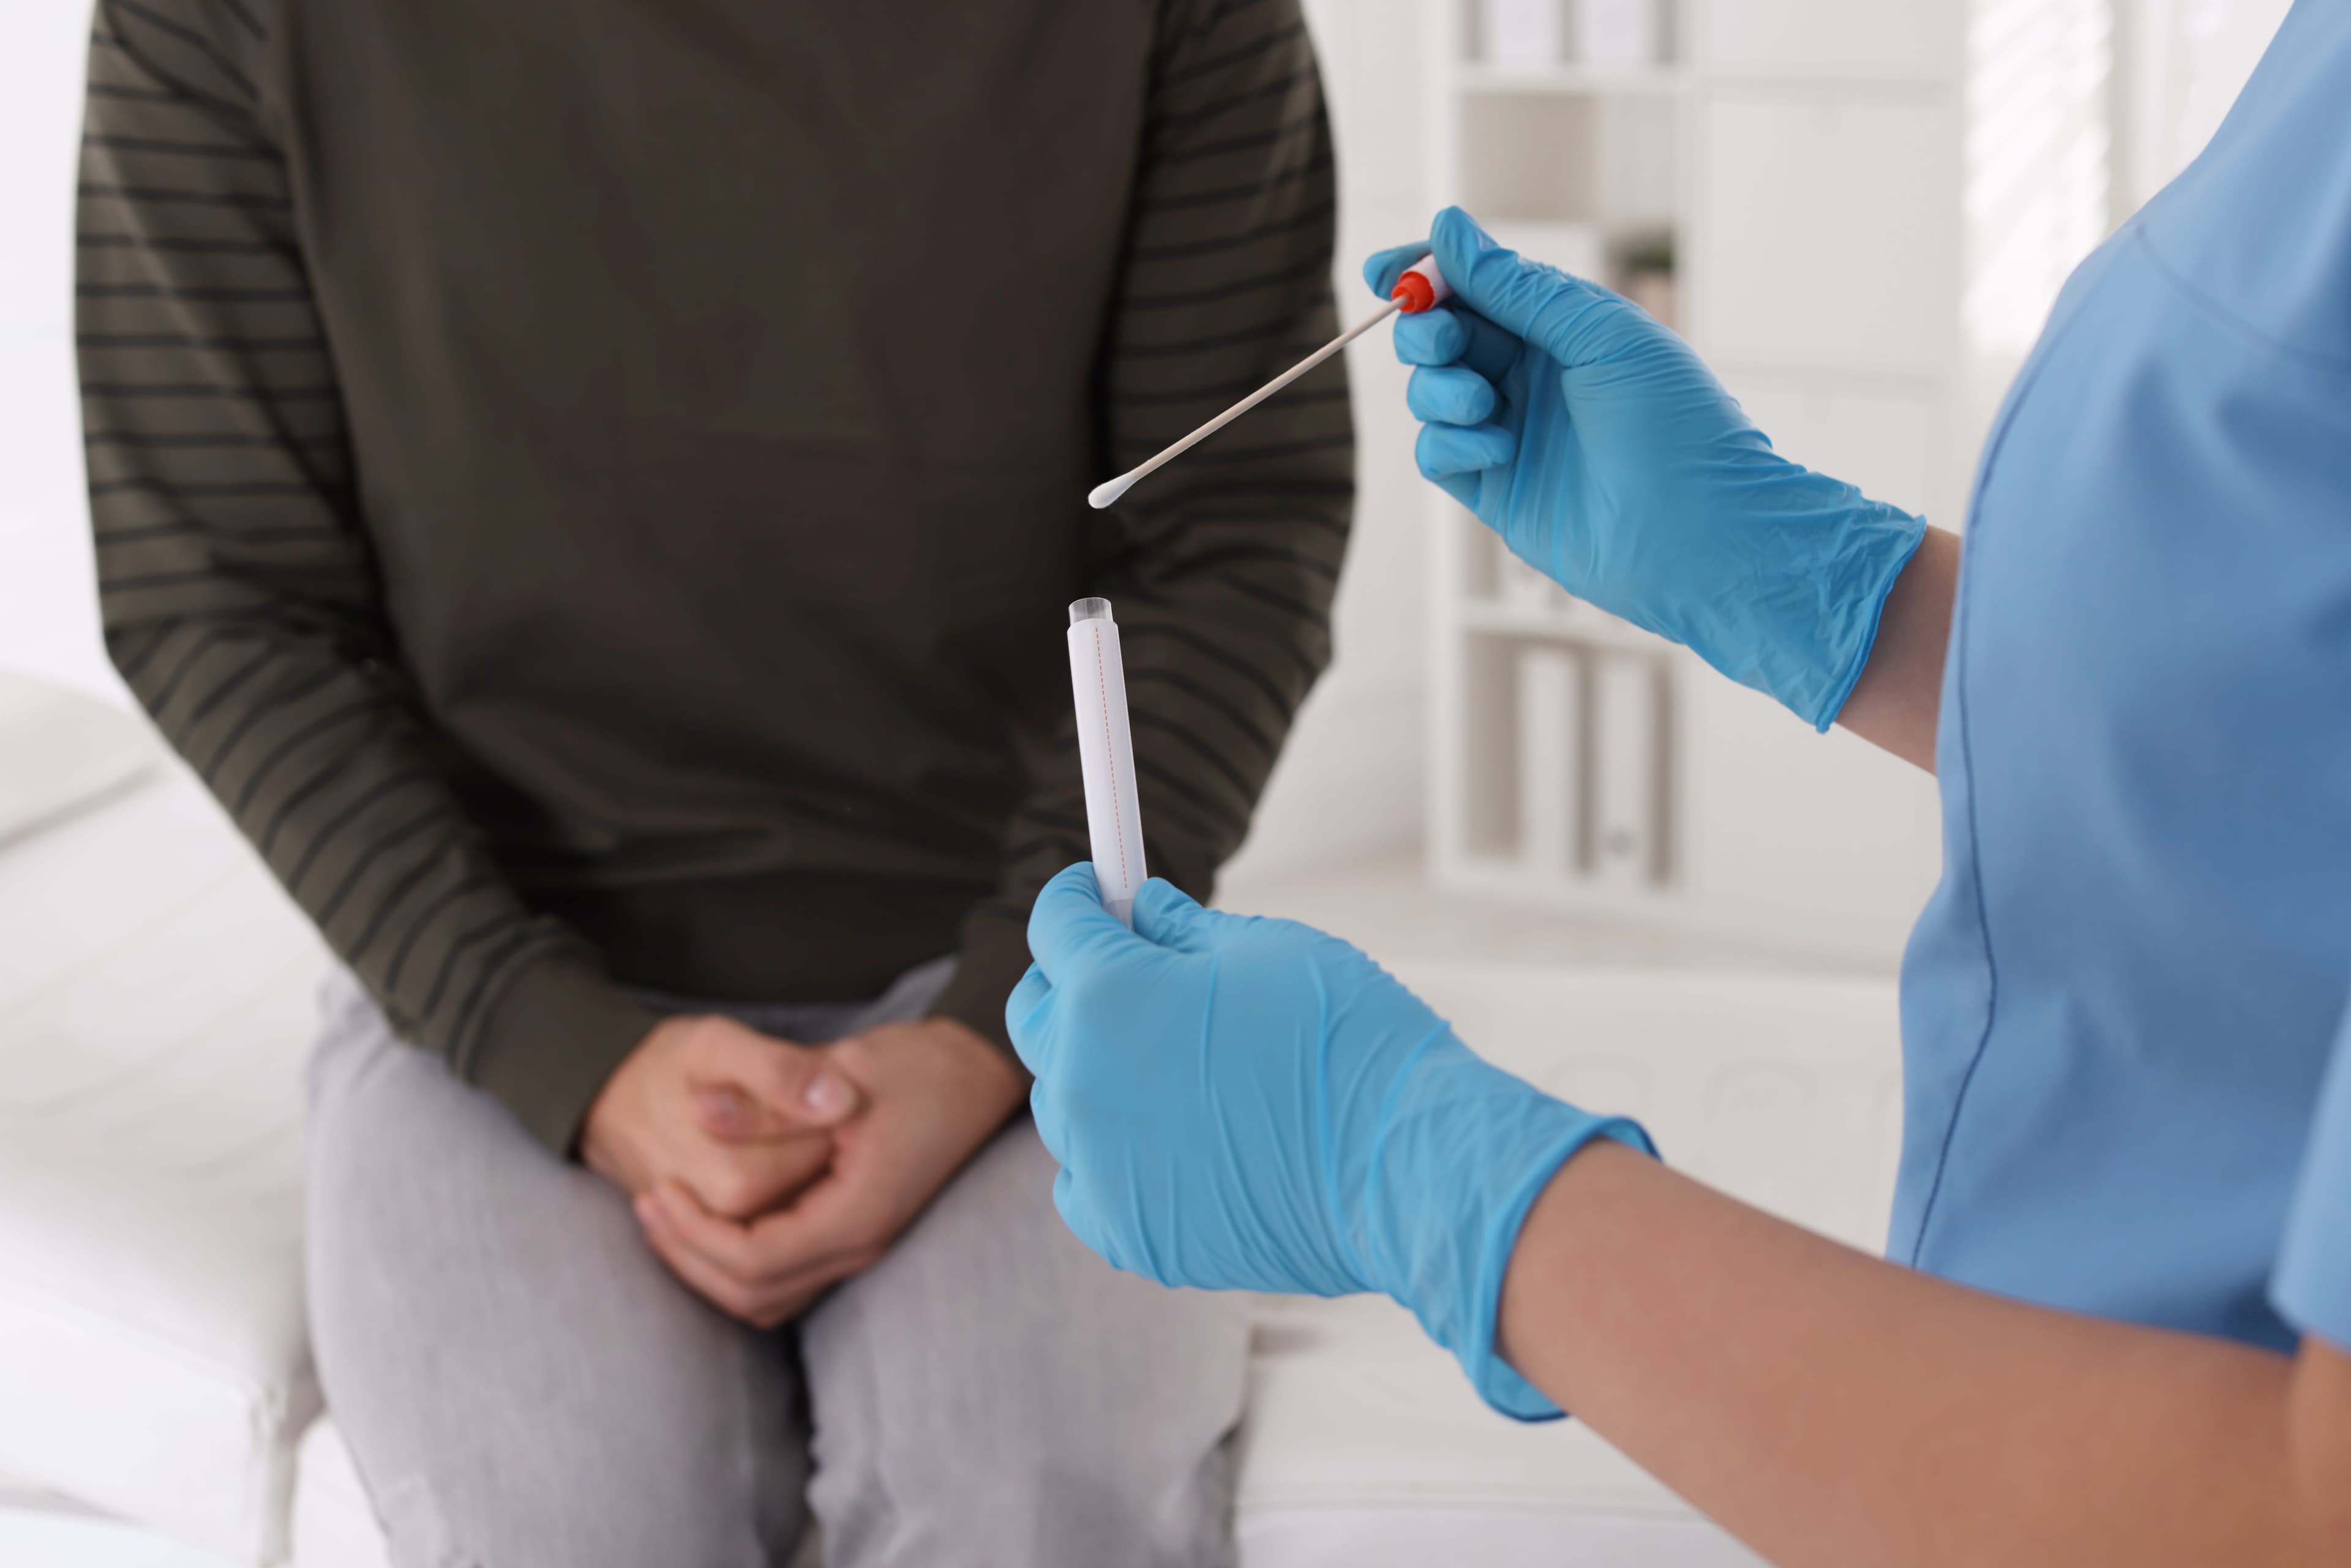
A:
(155, 1007)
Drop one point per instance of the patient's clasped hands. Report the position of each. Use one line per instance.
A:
(764, 1171)
(692, 1103)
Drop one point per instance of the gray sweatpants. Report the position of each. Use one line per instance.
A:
(523, 1384)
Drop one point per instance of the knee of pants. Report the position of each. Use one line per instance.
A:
(558, 1508)
(993, 1392)
(520, 1380)
(602, 1419)
(1062, 1507)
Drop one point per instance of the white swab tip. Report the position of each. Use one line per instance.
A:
(1110, 490)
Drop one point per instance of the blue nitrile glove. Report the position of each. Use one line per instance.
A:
(1609, 458)
(1249, 1104)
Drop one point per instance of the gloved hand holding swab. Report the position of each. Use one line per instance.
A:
(1421, 286)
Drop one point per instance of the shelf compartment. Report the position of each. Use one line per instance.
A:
(1573, 81)
(1613, 159)
(1571, 748)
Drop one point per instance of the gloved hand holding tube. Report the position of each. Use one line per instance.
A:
(1608, 458)
(1241, 1103)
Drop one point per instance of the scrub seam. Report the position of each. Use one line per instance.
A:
(2234, 324)
(1991, 976)
(2023, 391)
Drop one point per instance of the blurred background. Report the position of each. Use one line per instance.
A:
(1859, 211)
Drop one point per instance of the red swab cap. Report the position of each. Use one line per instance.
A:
(1421, 286)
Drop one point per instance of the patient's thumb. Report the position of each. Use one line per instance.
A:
(723, 1112)
(777, 1090)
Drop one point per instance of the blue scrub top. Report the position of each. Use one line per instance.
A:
(2120, 1009)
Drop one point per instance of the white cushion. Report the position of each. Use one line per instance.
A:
(60, 750)
(1365, 1448)
(333, 1525)
(156, 1001)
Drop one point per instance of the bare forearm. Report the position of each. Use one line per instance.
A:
(1832, 1409)
(1895, 703)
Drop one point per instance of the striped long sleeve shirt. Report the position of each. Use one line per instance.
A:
(594, 489)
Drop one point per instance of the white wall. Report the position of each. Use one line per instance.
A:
(1351, 782)
(49, 613)
(2079, 111)
(2186, 61)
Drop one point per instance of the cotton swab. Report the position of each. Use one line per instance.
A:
(1421, 286)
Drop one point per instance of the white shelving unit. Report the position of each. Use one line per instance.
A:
(1475, 77)
(1804, 158)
